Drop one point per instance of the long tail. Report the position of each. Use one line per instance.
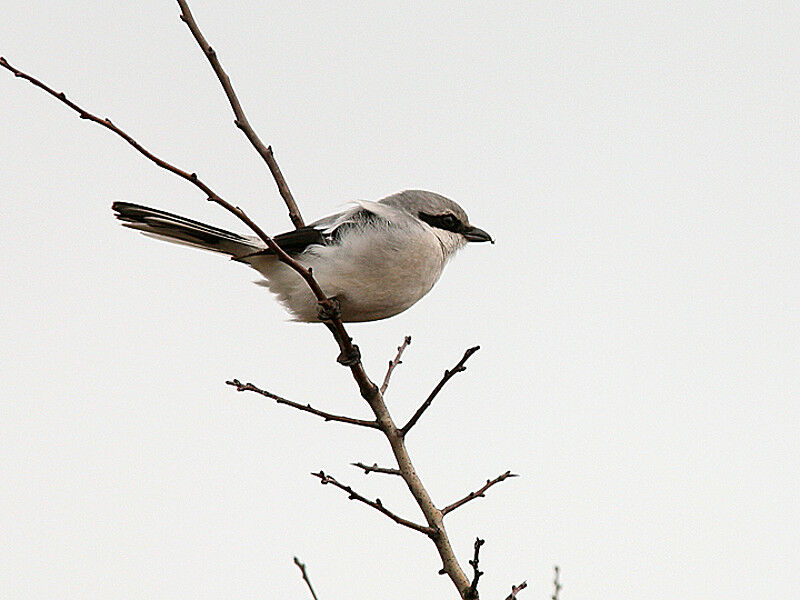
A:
(181, 230)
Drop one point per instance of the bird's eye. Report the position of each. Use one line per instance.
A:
(449, 221)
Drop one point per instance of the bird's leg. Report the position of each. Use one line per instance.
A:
(348, 359)
(330, 312)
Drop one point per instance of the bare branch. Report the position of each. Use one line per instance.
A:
(376, 504)
(515, 589)
(556, 583)
(249, 387)
(447, 376)
(369, 391)
(241, 120)
(478, 493)
(336, 327)
(376, 469)
(302, 568)
(393, 363)
(472, 592)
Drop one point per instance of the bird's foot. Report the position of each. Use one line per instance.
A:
(331, 312)
(348, 359)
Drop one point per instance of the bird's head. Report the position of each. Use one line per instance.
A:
(448, 219)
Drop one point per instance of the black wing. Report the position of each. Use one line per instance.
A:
(295, 242)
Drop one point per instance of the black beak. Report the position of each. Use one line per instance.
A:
(474, 234)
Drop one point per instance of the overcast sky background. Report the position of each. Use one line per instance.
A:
(638, 316)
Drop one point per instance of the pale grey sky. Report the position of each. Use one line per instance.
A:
(638, 316)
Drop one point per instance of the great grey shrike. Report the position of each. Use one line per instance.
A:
(375, 258)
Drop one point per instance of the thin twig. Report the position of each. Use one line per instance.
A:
(556, 583)
(241, 120)
(447, 376)
(393, 363)
(249, 387)
(336, 326)
(302, 568)
(376, 504)
(84, 114)
(478, 493)
(515, 589)
(376, 469)
(472, 593)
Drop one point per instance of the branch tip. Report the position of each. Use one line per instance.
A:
(556, 583)
(480, 493)
(448, 374)
(393, 363)
(302, 568)
(376, 469)
(472, 591)
(515, 589)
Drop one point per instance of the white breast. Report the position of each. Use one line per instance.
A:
(375, 274)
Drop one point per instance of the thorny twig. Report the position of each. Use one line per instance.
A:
(376, 504)
(478, 493)
(376, 469)
(393, 363)
(249, 387)
(445, 378)
(302, 568)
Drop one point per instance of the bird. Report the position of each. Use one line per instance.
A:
(373, 259)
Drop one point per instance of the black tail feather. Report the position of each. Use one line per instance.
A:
(180, 229)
